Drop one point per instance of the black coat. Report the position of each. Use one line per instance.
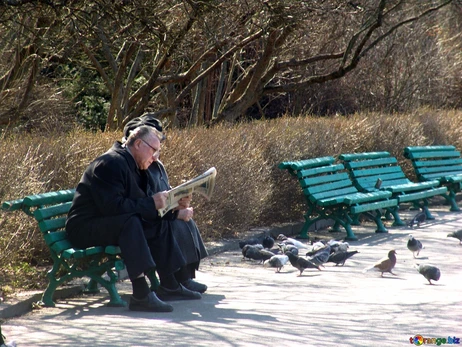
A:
(112, 205)
(186, 234)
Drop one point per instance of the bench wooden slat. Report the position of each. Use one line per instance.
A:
(373, 206)
(52, 224)
(441, 163)
(52, 211)
(12, 205)
(436, 154)
(417, 149)
(53, 237)
(49, 198)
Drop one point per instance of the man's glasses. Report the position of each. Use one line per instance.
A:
(156, 151)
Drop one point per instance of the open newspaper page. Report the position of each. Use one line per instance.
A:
(202, 184)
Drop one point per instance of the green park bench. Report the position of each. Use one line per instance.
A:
(372, 171)
(50, 210)
(442, 163)
(330, 194)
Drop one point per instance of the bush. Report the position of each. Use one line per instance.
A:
(250, 190)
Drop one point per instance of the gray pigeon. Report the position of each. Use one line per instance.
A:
(266, 241)
(286, 247)
(418, 219)
(249, 250)
(321, 256)
(430, 272)
(414, 245)
(301, 263)
(277, 261)
(340, 257)
(288, 240)
(385, 264)
(457, 234)
(255, 253)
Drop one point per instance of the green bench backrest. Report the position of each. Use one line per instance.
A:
(320, 178)
(367, 168)
(434, 161)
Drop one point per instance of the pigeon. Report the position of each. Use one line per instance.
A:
(457, 234)
(339, 257)
(315, 247)
(266, 241)
(418, 219)
(247, 250)
(338, 246)
(277, 261)
(285, 239)
(430, 272)
(414, 245)
(255, 253)
(288, 248)
(385, 264)
(321, 256)
(301, 263)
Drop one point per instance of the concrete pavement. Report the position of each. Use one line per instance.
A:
(249, 305)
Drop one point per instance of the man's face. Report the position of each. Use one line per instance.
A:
(146, 151)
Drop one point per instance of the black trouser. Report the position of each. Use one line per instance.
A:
(143, 245)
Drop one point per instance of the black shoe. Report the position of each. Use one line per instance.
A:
(181, 293)
(194, 286)
(151, 303)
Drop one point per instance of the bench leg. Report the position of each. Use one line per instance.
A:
(451, 199)
(350, 235)
(378, 221)
(397, 220)
(153, 279)
(428, 214)
(92, 287)
(47, 296)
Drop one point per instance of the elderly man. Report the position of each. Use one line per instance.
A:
(183, 227)
(114, 205)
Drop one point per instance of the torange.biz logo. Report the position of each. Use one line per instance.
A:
(419, 340)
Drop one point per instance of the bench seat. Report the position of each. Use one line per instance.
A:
(330, 194)
(441, 163)
(380, 171)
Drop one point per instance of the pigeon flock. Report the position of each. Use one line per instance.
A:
(288, 251)
(285, 251)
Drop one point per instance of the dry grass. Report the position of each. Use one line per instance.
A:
(250, 190)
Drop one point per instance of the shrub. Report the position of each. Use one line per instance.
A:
(250, 190)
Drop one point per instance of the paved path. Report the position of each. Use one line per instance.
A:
(249, 305)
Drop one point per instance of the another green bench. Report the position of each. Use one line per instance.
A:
(442, 163)
(50, 211)
(372, 171)
(330, 194)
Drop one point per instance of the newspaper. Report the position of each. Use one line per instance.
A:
(202, 184)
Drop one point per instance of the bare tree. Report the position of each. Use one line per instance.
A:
(197, 59)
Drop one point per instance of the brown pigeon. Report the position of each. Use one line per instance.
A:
(430, 272)
(385, 264)
(457, 234)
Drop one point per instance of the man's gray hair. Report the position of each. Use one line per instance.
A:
(142, 132)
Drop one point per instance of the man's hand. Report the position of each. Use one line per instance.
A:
(184, 202)
(160, 199)
(185, 214)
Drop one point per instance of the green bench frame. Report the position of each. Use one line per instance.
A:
(50, 211)
(367, 168)
(442, 163)
(330, 194)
